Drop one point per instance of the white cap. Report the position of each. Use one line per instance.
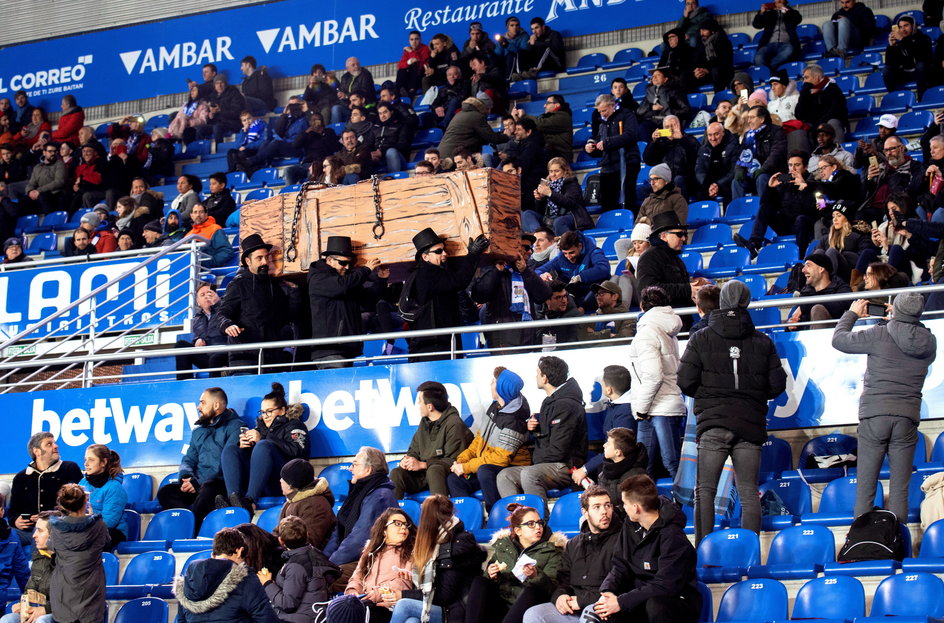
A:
(641, 231)
(888, 121)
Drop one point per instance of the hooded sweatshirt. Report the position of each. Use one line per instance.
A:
(653, 362)
(501, 440)
(77, 590)
(900, 353)
(221, 591)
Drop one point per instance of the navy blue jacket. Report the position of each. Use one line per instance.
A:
(14, 566)
(592, 265)
(616, 416)
(348, 549)
(202, 461)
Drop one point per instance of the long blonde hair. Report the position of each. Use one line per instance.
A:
(437, 511)
(837, 237)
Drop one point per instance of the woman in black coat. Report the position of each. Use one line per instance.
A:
(843, 244)
(555, 201)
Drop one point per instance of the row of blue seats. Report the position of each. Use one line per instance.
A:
(139, 610)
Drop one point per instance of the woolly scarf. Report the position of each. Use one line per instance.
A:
(553, 210)
(520, 302)
(710, 42)
(425, 578)
(819, 86)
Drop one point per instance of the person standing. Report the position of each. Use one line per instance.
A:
(732, 370)
(900, 352)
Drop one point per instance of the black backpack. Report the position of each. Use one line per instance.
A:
(410, 309)
(874, 535)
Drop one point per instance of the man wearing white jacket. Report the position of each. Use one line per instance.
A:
(655, 395)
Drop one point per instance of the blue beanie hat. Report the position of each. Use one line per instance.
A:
(346, 609)
(508, 385)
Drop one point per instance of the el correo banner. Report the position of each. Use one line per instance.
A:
(157, 58)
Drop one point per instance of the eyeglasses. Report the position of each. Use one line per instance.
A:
(533, 524)
(656, 179)
(269, 411)
(438, 251)
(679, 234)
(889, 150)
(397, 523)
(558, 297)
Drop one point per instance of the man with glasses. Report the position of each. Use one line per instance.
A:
(555, 125)
(615, 144)
(766, 144)
(714, 165)
(46, 182)
(337, 291)
(560, 304)
(661, 265)
(899, 174)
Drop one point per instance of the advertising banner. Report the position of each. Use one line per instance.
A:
(147, 60)
(150, 423)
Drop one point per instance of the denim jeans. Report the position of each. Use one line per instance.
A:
(253, 472)
(662, 434)
(841, 34)
(773, 55)
(897, 437)
(394, 160)
(544, 613)
(715, 445)
(409, 611)
(340, 113)
(531, 220)
(742, 188)
(484, 479)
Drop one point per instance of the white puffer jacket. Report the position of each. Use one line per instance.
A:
(784, 107)
(654, 362)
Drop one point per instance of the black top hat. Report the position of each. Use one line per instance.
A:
(664, 221)
(251, 243)
(338, 245)
(425, 239)
(529, 237)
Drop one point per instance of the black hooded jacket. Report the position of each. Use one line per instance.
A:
(586, 561)
(732, 370)
(561, 436)
(336, 306)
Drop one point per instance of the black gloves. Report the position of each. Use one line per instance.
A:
(478, 246)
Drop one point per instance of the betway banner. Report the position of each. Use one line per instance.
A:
(148, 297)
(153, 59)
(149, 424)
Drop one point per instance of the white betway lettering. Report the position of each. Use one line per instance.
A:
(178, 55)
(324, 33)
(796, 387)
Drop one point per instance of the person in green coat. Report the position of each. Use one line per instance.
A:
(532, 584)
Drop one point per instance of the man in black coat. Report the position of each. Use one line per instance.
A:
(436, 287)
(255, 307)
(767, 144)
(336, 291)
(714, 165)
(907, 57)
(819, 269)
(585, 561)
(661, 265)
(226, 105)
(547, 49)
(678, 150)
(653, 574)
(714, 57)
(732, 371)
(257, 87)
(616, 146)
(822, 101)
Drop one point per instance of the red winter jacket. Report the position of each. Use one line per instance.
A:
(69, 124)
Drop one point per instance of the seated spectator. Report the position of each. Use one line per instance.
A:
(450, 96)
(887, 126)
(779, 43)
(765, 154)
(822, 101)
(469, 128)
(788, 207)
(285, 129)
(387, 141)
(7, 130)
(665, 195)
(146, 203)
(89, 179)
(15, 572)
(432, 156)
(545, 50)
(136, 140)
(560, 304)
(23, 113)
(487, 78)
(623, 457)
(883, 276)
(446, 558)
(662, 98)
(630, 250)
(693, 16)
(321, 93)
(531, 158)
(412, 65)
(437, 442)
(783, 97)
(499, 442)
(371, 493)
(257, 87)
(218, 246)
(120, 168)
(714, 56)
(174, 227)
(127, 240)
(560, 435)
(615, 145)
(161, 154)
(219, 204)
(79, 245)
(188, 194)
(46, 182)
(555, 201)
(609, 301)
(205, 331)
(72, 118)
(304, 578)
(377, 576)
(13, 251)
(512, 48)
(355, 79)
(153, 234)
(581, 264)
(850, 28)
(507, 595)
(77, 588)
(678, 58)
(932, 197)
(826, 145)
(193, 114)
(818, 271)
(677, 150)
(907, 57)
(226, 105)
(423, 167)
(331, 171)
(545, 247)
(443, 54)
(223, 587)
(204, 89)
(201, 471)
(842, 243)
(309, 499)
(29, 133)
(248, 141)
(714, 165)
(652, 574)
(899, 174)
(555, 125)
(499, 287)
(40, 571)
(361, 122)
(478, 43)
(355, 157)
(832, 183)
(107, 496)
(316, 143)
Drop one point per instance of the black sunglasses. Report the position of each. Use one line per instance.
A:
(439, 251)
(343, 263)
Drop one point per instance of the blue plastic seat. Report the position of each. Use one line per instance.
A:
(775, 455)
(143, 572)
(427, 137)
(42, 243)
(270, 501)
(269, 518)
(930, 557)
(797, 552)
(794, 69)
(824, 445)
(774, 258)
(133, 520)
(908, 597)
(848, 84)
(138, 486)
(609, 245)
(837, 504)
(881, 567)
(237, 180)
(411, 508)
(587, 62)
(203, 554)
(830, 600)
(812, 51)
(258, 194)
(229, 517)
(725, 555)
(795, 495)
(517, 90)
(741, 210)
(163, 529)
(269, 176)
(51, 221)
(863, 63)
(709, 238)
(157, 121)
(808, 32)
(727, 262)
(933, 98)
(498, 515)
(338, 476)
(861, 106)
(110, 562)
(611, 222)
(739, 39)
(759, 73)
(897, 102)
(565, 515)
(753, 600)
(703, 212)
(581, 136)
(832, 65)
(290, 188)
(624, 58)
(692, 261)
(420, 496)
(143, 609)
(914, 13)
(26, 224)
(915, 122)
(469, 510)
(697, 101)
(722, 95)
(874, 84)
(757, 285)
